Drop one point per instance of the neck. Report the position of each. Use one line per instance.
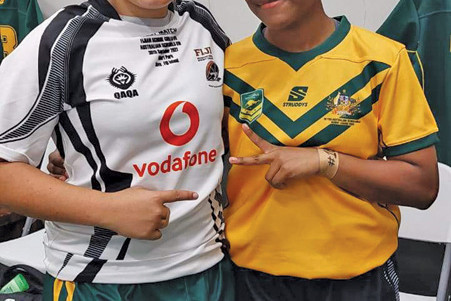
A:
(126, 8)
(311, 30)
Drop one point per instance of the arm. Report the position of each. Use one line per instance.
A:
(134, 212)
(407, 180)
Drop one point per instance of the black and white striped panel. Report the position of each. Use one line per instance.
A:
(54, 93)
(201, 14)
(215, 200)
(391, 277)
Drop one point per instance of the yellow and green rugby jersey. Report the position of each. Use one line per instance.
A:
(17, 19)
(355, 92)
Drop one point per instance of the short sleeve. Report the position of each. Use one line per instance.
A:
(33, 15)
(28, 112)
(405, 120)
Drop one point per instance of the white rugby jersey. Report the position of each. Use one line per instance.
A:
(128, 105)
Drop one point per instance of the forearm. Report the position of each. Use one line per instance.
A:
(28, 191)
(392, 182)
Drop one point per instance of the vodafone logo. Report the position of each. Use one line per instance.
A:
(189, 159)
(166, 132)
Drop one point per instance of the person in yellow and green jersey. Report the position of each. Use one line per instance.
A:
(313, 101)
(17, 19)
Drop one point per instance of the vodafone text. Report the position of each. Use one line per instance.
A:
(172, 164)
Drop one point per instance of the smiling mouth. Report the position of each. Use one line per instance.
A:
(268, 4)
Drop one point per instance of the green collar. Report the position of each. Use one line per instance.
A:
(298, 59)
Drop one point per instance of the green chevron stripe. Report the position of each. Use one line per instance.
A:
(294, 128)
(255, 126)
(332, 131)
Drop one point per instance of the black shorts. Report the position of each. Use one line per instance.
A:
(379, 284)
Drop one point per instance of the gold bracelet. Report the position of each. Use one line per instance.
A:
(328, 163)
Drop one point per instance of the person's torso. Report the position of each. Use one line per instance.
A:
(327, 98)
(142, 107)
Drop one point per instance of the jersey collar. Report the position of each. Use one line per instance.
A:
(298, 59)
(105, 8)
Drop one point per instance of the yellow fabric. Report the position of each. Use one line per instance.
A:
(312, 228)
(57, 286)
(70, 287)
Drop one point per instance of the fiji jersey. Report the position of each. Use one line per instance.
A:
(128, 105)
(424, 26)
(17, 19)
(354, 93)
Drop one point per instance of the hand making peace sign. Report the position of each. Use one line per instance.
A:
(285, 163)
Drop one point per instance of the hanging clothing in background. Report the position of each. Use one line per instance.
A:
(17, 19)
(424, 26)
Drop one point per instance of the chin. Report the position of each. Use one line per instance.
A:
(151, 4)
(275, 21)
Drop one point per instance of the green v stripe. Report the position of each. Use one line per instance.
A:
(334, 130)
(255, 126)
(294, 128)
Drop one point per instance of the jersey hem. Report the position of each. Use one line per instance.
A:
(13, 156)
(136, 272)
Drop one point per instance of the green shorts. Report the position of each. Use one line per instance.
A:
(214, 284)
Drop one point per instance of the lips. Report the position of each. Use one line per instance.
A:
(261, 3)
(265, 4)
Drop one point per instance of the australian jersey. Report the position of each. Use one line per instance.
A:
(17, 19)
(355, 93)
(424, 26)
(128, 105)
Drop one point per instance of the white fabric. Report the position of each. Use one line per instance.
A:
(434, 224)
(149, 21)
(27, 250)
(127, 124)
(409, 297)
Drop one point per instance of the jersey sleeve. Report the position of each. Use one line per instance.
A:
(405, 120)
(33, 16)
(29, 103)
(403, 25)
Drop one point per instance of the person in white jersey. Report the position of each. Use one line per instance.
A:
(131, 93)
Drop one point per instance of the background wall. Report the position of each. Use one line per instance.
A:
(238, 22)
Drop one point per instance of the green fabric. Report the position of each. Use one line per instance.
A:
(214, 284)
(424, 26)
(22, 15)
(411, 146)
(297, 60)
(290, 127)
(332, 131)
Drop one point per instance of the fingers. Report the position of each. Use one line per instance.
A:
(53, 169)
(56, 159)
(58, 177)
(272, 171)
(171, 196)
(254, 160)
(156, 234)
(279, 180)
(264, 145)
